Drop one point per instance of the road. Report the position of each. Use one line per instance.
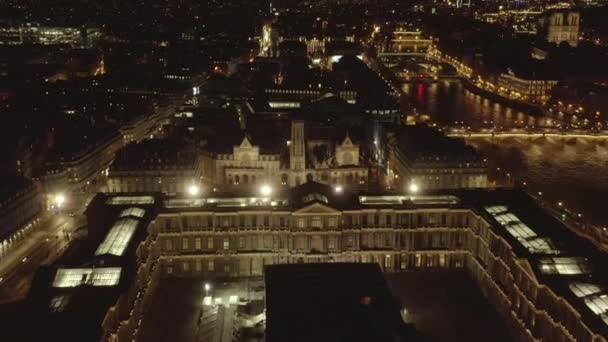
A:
(46, 244)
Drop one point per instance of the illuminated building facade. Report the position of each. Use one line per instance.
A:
(20, 208)
(425, 157)
(248, 166)
(76, 37)
(562, 26)
(154, 166)
(543, 289)
(532, 88)
(74, 171)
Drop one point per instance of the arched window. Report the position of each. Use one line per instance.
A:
(245, 179)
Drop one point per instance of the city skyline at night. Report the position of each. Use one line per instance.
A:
(336, 170)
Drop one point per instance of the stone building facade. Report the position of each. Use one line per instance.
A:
(563, 26)
(247, 165)
(222, 238)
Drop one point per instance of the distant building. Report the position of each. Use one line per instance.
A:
(527, 86)
(561, 26)
(425, 157)
(269, 44)
(48, 35)
(73, 167)
(20, 208)
(317, 159)
(155, 166)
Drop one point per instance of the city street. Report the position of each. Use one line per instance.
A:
(54, 233)
(41, 247)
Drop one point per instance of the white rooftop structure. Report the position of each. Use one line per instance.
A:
(133, 211)
(118, 237)
(523, 233)
(72, 277)
(564, 265)
(594, 297)
(133, 200)
(399, 199)
(224, 202)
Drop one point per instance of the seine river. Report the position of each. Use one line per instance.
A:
(571, 170)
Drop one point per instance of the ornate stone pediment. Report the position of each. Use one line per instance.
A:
(316, 208)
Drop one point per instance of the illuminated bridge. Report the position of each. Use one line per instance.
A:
(517, 132)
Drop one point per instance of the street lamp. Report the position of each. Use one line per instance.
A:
(194, 190)
(207, 288)
(266, 190)
(338, 189)
(59, 200)
(413, 188)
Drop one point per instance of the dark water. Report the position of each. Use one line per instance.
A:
(448, 102)
(571, 170)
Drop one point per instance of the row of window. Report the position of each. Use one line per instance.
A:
(249, 266)
(452, 239)
(193, 222)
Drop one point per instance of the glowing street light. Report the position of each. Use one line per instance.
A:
(194, 190)
(414, 188)
(59, 200)
(338, 189)
(207, 288)
(560, 203)
(266, 190)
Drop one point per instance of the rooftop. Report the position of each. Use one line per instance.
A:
(154, 154)
(332, 302)
(426, 144)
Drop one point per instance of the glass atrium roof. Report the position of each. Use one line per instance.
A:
(125, 200)
(118, 237)
(595, 298)
(564, 265)
(71, 277)
(519, 230)
(133, 211)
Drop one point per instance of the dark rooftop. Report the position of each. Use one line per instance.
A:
(11, 186)
(332, 302)
(154, 153)
(423, 143)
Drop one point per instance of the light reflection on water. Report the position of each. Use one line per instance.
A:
(449, 102)
(572, 170)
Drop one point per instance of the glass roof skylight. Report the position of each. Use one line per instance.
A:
(564, 266)
(72, 277)
(497, 209)
(584, 289)
(126, 200)
(598, 304)
(519, 230)
(380, 200)
(594, 296)
(118, 237)
(136, 212)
